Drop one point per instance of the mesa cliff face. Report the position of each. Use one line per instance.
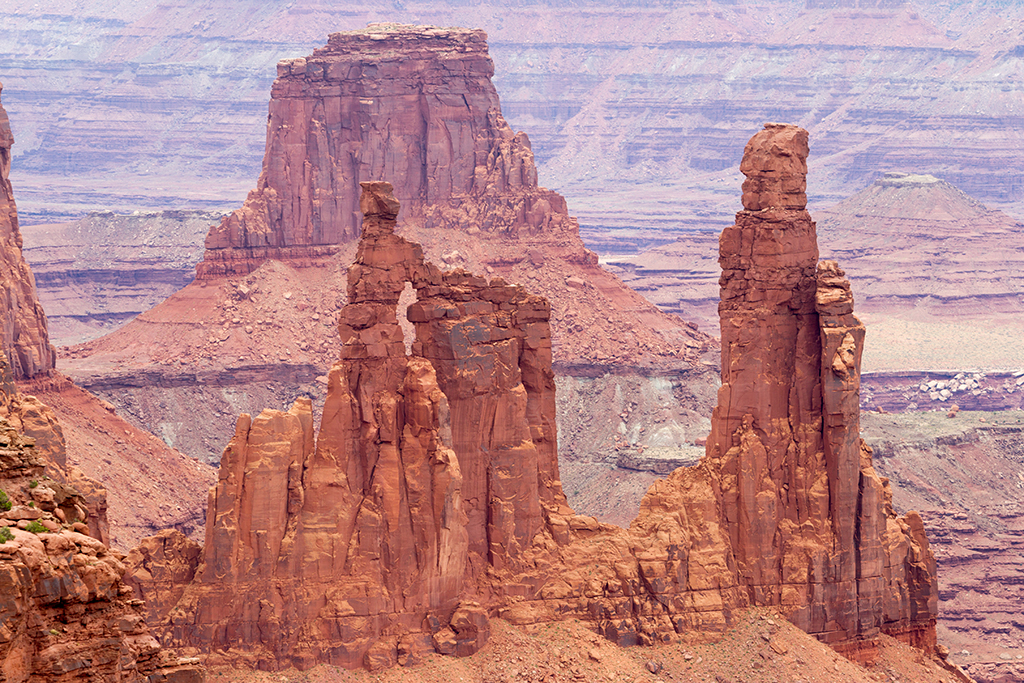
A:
(430, 500)
(412, 104)
(24, 337)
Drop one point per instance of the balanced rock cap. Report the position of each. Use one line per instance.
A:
(775, 164)
(378, 199)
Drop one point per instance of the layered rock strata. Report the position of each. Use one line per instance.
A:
(96, 273)
(430, 500)
(936, 271)
(24, 337)
(67, 614)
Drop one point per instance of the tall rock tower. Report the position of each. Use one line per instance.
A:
(811, 524)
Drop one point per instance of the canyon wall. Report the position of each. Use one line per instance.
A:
(965, 475)
(936, 270)
(25, 340)
(431, 498)
(98, 272)
(89, 440)
(627, 104)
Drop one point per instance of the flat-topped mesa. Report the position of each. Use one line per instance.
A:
(413, 104)
(23, 334)
(811, 526)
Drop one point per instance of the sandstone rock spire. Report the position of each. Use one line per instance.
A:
(431, 497)
(810, 526)
(364, 545)
(23, 335)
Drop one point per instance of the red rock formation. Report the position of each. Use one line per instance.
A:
(376, 532)
(159, 568)
(809, 520)
(67, 614)
(431, 497)
(23, 336)
(411, 104)
(415, 105)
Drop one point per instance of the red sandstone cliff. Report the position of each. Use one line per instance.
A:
(23, 334)
(430, 499)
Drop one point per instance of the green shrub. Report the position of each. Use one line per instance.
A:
(5, 502)
(6, 534)
(35, 527)
(32, 484)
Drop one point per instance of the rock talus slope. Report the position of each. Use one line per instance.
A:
(25, 339)
(430, 500)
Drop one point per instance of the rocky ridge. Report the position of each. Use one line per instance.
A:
(430, 499)
(67, 614)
